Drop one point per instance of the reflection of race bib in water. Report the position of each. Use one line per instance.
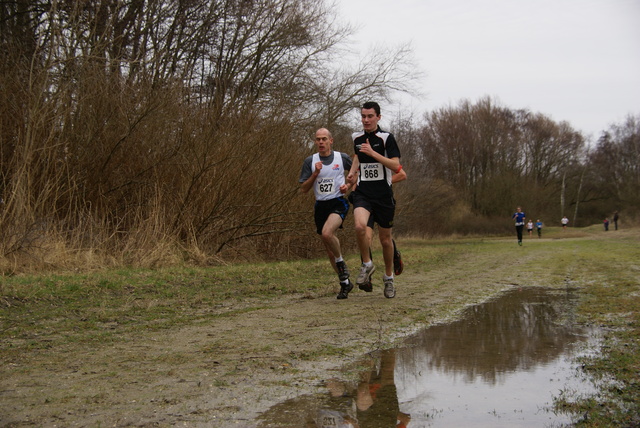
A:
(333, 419)
(372, 171)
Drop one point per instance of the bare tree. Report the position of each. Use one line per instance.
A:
(128, 124)
(496, 158)
(615, 167)
(339, 88)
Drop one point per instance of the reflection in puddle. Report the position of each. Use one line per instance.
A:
(500, 365)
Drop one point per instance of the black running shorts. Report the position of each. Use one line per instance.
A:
(323, 209)
(382, 210)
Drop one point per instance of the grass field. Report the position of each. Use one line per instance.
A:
(129, 345)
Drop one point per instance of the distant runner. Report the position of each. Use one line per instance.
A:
(519, 217)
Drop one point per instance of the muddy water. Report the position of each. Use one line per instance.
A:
(500, 365)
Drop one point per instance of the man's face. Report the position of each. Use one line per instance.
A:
(369, 119)
(323, 142)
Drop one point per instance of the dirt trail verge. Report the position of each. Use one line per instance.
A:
(226, 370)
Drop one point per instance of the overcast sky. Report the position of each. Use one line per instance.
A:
(572, 60)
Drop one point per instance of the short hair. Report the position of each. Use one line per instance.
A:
(325, 129)
(372, 104)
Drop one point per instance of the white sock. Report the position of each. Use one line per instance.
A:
(369, 263)
(339, 259)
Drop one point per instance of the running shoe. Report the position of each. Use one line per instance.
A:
(343, 271)
(345, 288)
(389, 289)
(367, 286)
(365, 274)
(398, 264)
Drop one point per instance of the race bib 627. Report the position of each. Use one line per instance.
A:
(325, 185)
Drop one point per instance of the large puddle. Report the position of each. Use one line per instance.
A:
(500, 365)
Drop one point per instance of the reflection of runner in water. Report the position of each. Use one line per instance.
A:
(340, 399)
(377, 397)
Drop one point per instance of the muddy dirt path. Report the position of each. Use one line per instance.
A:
(225, 372)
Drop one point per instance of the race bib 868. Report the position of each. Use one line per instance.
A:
(372, 171)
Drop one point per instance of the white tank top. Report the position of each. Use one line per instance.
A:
(331, 177)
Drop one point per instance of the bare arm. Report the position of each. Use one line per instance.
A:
(308, 183)
(398, 176)
(352, 178)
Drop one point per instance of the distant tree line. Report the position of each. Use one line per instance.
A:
(163, 131)
(470, 166)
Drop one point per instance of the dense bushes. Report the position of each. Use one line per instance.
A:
(162, 132)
